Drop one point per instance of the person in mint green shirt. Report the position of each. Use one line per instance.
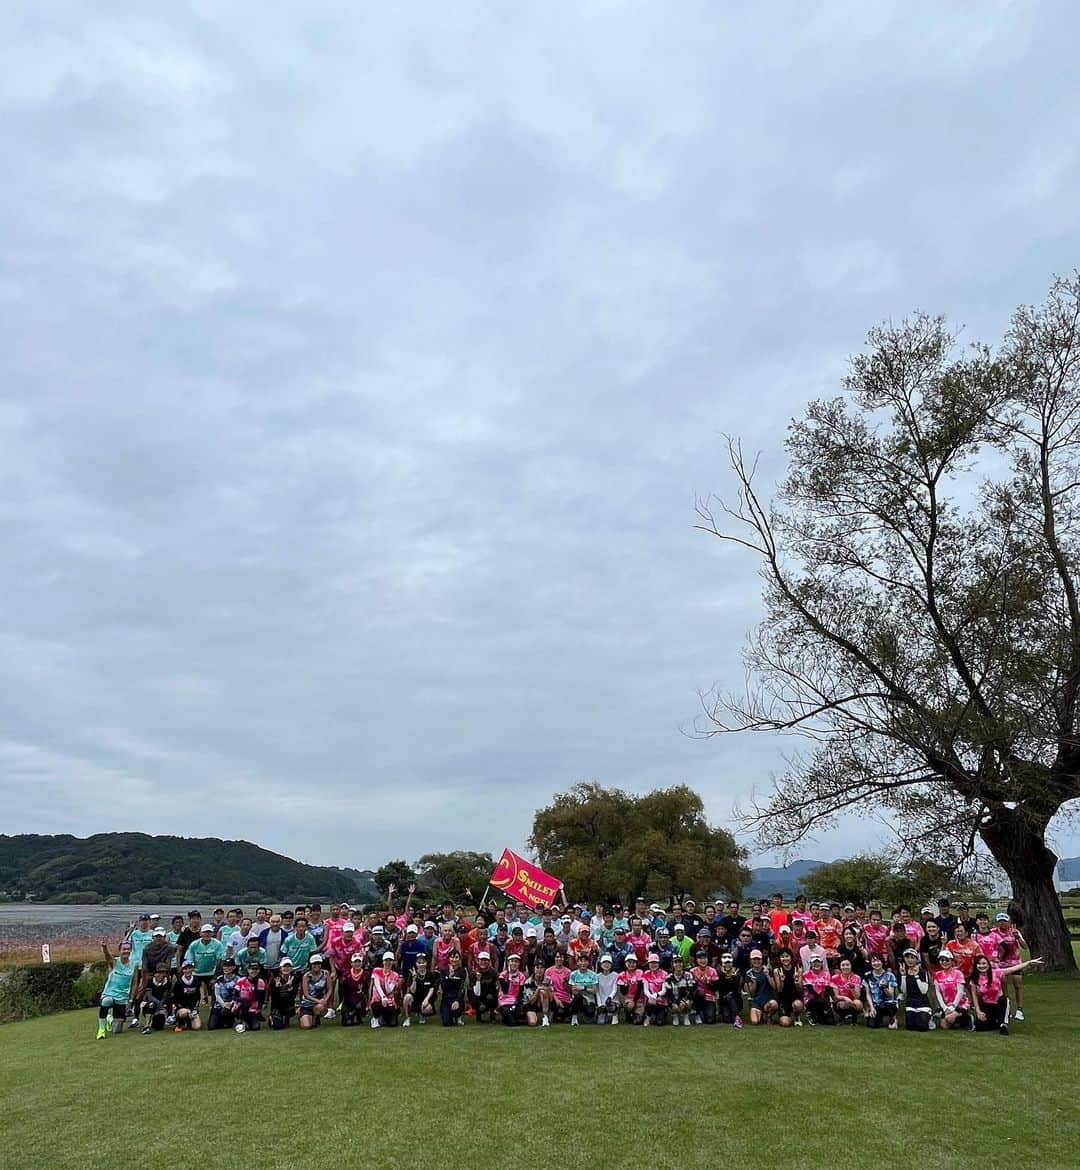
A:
(583, 984)
(252, 953)
(206, 952)
(300, 945)
(140, 936)
(174, 936)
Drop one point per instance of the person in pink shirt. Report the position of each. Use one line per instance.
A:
(912, 929)
(385, 982)
(950, 988)
(876, 936)
(341, 947)
(817, 992)
(654, 983)
(987, 938)
(847, 993)
(1010, 940)
(447, 944)
(989, 998)
(639, 940)
(558, 977)
(631, 987)
(511, 984)
(705, 979)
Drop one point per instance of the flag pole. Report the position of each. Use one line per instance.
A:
(480, 904)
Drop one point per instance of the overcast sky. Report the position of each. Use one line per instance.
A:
(360, 367)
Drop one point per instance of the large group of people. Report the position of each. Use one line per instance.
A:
(807, 964)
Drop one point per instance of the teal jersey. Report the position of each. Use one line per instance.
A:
(205, 956)
(584, 982)
(299, 950)
(118, 985)
(174, 939)
(245, 957)
(140, 940)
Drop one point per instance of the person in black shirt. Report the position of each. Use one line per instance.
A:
(156, 1002)
(188, 935)
(733, 921)
(420, 994)
(484, 989)
(454, 982)
(691, 920)
(945, 919)
(963, 915)
(284, 988)
(186, 993)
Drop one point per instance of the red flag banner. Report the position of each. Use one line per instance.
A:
(520, 879)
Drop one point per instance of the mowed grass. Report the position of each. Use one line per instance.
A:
(489, 1095)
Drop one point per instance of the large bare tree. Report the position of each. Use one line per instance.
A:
(921, 565)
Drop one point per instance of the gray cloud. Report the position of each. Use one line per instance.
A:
(359, 372)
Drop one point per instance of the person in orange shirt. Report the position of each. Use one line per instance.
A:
(778, 916)
(965, 948)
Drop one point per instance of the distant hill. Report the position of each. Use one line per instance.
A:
(138, 867)
(768, 880)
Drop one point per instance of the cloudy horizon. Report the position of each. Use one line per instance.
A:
(361, 369)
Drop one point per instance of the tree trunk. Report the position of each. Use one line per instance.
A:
(1019, 847)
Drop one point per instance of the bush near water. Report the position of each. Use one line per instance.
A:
(41, 988)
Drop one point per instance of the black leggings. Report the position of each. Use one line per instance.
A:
(447, 1013)
(997, 1015)
(119, 1011)
(581, 1006)
(819, 1009)
(884, 1013)
(705, 1008)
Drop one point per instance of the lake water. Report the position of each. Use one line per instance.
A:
(28, 922)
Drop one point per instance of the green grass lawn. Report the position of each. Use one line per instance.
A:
(491, 1096)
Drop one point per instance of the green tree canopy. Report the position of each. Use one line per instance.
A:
(877, 878)
(605, 843)
(455, 875)
(398, 873)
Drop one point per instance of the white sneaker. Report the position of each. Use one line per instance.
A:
(545, 1023)
(423, 1020)
(240, 1029)
(329, 1013)
(614, 1019)
(407, 1023)
(696, 1018)
(374, 1022)
(573, 1021)
(1019, 1015)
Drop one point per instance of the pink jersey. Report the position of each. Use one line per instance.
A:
(704, 977)
(988, 944)
(951, 988)
(1008, 947)
(803, 916)
(818, 980)
(914, 932)
(990, 987)
(510, 986)
(559, 977)
(848, 986)
(876, 938)
(251, 991)
(384, 985)
(642, 944)
(444, 948)
(655, 983)
(631, 984)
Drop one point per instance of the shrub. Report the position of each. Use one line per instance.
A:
(36, 990)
